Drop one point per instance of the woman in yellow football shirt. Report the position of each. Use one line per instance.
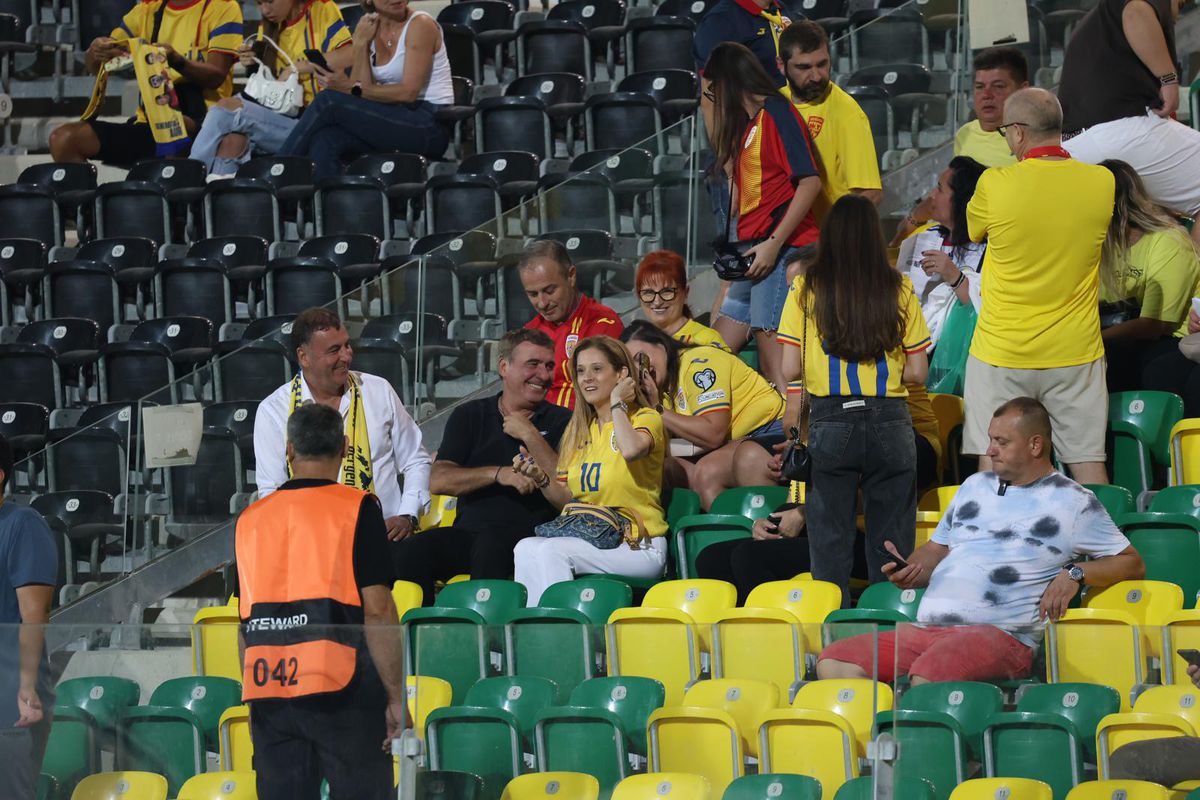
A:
(711, 398)
(237, 127)
(661, 283)
(856, 335)
(611, 454)
(1149, 273)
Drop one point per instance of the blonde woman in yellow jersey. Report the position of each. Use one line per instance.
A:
(661, 283)
(711, 398)
(611, 454)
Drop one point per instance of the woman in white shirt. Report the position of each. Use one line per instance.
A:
(400, 77)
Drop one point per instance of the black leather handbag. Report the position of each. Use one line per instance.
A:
(729, 258)
(797, 461)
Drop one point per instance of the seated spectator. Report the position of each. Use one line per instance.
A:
(566, 314)
(1170, 761)
(854, 337)
(661, 284)
(1176, 371)
(201, 40)
(611, 454)
(711, 398)
(999, 71)
(399, 78)
(764, 141)
(238, 127)
(497, 506)
(1149, 272)
(1001, 562)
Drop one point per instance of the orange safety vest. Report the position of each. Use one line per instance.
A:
(295, 560)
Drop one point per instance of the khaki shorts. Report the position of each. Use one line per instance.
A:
(1076, 397)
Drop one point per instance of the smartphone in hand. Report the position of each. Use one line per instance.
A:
(1190, 655)
(318, 58)
(773, 523)
(889, 556)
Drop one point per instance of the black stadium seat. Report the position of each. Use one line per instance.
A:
(86, 289)
(158, 350)
(133, 208)
(250, 368)
(660, 43)
(22, 267)
(554, 46)
(299, 282)
(513, 123)
(194, 287)
(352, 204)
(30, 212)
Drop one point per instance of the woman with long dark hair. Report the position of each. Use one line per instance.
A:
(762, 143)
(855, 336)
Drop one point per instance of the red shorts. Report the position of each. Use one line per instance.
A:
(958, 653)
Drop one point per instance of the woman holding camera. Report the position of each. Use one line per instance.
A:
(762, 143)
(854, 335)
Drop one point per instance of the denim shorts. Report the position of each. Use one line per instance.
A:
(759, 304)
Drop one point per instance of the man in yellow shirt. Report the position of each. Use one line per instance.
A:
(201, 40)
(837, 124)
(1045, 220)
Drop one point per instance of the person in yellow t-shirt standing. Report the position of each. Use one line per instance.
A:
(838, 126)
(611, 454)
(1038, 334)
(201, 38)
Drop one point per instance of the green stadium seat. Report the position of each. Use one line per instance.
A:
(970, 703)
(630, 698)
(1140, 423)
(1038, 745)
(1169, 544)
(769, 786)
(483, 741)
(1116, 500)
(1177, 500)
(1084, 704)
(167, 741)
(521, 696)
(888, 596)
(902, 789)
(206, 697)
(72, 751)
(558, 644)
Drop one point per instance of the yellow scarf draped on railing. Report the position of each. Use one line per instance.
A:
(158, 96)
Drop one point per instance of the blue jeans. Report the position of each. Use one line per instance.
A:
(266, 130)
(759, 303)
(867, 443)
(337, 126)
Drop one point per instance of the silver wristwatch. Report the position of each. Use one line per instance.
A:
(1074, 572)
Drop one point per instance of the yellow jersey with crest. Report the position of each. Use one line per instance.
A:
(693, 332)
(711, 379)
(320, 27)
(600, 475)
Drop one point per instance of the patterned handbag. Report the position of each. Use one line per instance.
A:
(603, 527)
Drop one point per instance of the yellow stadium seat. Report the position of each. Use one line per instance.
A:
(233, 601)
(220, 786)
(657, 785)
(817, 743)
(458, 579)
(703, 741)
(121, 786)
(759, 643)
(1148, 602)
(927, 522)
(1115, 730)
(747, 701)
(559, 785)
(808, 601)
(702, 599)
(237, 751)
(1096, 645)
(1180, 630)
(937, 499)
(215, 643)
(858, 700)
(950, 412)
(657, 643)
(440, 514)
(406, 595)
(1002, 789)
(1180, 701)
(426, 693)
(1118, 790)
(1185, 452)
(1180, 791)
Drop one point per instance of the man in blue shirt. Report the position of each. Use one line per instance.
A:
(28, 571)
(754, 23)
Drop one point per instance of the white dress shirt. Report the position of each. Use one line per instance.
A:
(395, 440)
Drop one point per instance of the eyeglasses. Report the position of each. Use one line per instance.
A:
(666, 293)
(1003, 129)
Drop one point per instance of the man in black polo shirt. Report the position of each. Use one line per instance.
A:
(496, 506)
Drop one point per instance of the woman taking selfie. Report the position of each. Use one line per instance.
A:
(854, 335)
(237, 128)
(610, 455)
(661, 284)
(763, 145)
(399, 78)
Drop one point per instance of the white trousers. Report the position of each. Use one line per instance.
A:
(1165, 153)
(538, 562)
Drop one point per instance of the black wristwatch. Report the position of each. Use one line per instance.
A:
(412, 521)
(356, 89)
(1074, 572)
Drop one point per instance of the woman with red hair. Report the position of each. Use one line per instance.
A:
(661, 283)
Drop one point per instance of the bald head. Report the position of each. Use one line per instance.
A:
(1038, 109)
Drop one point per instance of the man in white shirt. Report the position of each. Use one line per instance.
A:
(383, 442)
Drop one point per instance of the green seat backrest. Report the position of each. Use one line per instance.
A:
(752, 502)
(206, 697)
(1153, 414)
(71, 751)
(768, 786)
(969, 702)
(1084, 704)
(902, 789)
(1169, 545)
(846, 622)
(1045, 747)
(1116, 500)
(684, 503)
(47, 787)
(553, 643)
(476, 740)
(595, 597)
(631, 698)
(930, 749)
(521, 696)
(888, 596)
(583, 739)
(444, 784)
(494, 600)
(454, 650)
(169, 741)
(102, 697)
(1178, 500)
